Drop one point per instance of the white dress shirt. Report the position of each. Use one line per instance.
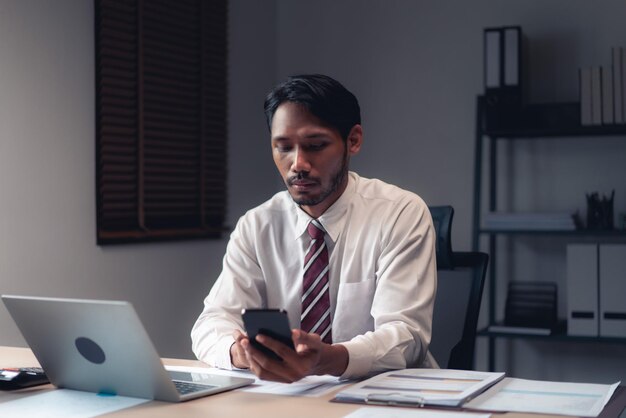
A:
(383, 276)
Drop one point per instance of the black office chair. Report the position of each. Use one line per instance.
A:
(461, 277)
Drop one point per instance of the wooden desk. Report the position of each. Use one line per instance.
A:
(232, 404)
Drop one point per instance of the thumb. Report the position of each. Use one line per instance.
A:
(301, 337)
(297, 335)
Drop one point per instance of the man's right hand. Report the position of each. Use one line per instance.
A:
(237, 353)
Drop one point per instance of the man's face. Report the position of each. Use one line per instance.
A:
(311, 157)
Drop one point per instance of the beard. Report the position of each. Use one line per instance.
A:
(336, 181)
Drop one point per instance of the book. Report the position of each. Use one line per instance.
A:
(596, 96)
(419, 387)
(622, 52)
(608, 114)
(511, 57)
(492, 59)
(585, 96)
(616, 61)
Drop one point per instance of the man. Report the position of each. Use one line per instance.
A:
(352, 260)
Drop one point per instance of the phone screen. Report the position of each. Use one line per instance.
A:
(271, 322)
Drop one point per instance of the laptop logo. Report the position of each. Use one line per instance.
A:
(90, 350)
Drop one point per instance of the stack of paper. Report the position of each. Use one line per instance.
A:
(540, 397)
(552, 221)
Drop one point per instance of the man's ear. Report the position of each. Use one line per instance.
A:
(355, 139)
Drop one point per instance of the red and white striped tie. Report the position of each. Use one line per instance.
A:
(315, 290)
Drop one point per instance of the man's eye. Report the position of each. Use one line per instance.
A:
(317, 147)
(283, 148)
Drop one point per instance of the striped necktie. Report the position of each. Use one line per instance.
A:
(315, 292)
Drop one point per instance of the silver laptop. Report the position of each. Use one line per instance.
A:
(101, 346)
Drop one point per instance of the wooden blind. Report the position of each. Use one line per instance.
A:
(161, 119)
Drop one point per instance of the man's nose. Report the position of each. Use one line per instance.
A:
(300, 161)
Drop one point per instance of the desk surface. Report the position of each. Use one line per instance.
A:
(227, 405)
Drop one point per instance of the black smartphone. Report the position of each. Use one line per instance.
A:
(23, 377)
(271, 322)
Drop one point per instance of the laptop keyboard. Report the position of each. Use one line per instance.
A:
(185, 388)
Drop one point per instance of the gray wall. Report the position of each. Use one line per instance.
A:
(416, 68)
(47, 171)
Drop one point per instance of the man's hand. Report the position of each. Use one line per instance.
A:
(311, 357)
(237, 353)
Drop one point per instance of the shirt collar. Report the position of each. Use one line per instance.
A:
(334, 219)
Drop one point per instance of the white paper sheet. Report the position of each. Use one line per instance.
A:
(412, 413)
(65, 403)
(311, 386)
(535, 396)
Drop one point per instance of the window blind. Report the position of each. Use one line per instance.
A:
(160, 119)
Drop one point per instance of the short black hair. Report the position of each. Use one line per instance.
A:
(321, 95)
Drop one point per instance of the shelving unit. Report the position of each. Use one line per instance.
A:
(544, 122)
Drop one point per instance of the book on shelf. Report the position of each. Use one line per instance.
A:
(561, 221)
(616, 63)
(596, 96)
(584, 78)
(608, 113)
(419, 387)
(623, 80)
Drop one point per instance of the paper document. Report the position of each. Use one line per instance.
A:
(410, 413)
(535, 396)
(65, 403)
(417, 387)
(309, 386)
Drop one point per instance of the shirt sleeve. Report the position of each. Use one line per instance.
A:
(239, 285)
(402, 308)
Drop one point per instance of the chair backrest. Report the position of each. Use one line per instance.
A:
(461, 277)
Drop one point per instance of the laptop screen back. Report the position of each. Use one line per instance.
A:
(92, 345)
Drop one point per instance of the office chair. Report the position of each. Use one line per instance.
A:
(461, 277)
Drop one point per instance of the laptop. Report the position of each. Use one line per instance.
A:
(101, 346)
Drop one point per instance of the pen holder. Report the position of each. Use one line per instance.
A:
(600, 211)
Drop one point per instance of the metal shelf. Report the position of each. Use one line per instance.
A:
(576, 233)
(552, 337)
(537, 121)
(546, 120)
(567, 131)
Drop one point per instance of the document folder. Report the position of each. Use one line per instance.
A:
(613, 290)
(582, 289)
(419, 387)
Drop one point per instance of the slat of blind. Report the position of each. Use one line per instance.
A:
(183, 57)
(166, 136)
(173, 130)
(184, 95)
(165, 146)
(164, 181)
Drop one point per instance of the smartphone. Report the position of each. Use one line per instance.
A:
(271, 322)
